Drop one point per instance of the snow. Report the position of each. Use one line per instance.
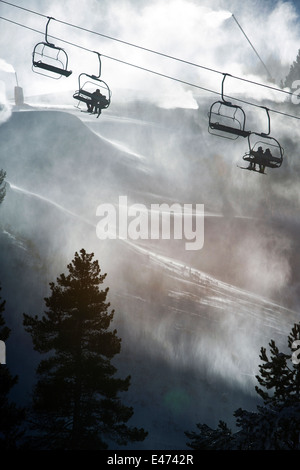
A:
(191, 325)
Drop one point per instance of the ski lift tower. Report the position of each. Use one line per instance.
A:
(19, 97)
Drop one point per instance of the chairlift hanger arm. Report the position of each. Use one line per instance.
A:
(269, 121)
(46, 32)
(222, 88)
(95, 77)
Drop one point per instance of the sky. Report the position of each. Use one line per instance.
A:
(199, 31)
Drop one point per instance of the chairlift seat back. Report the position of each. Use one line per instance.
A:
(51, 59)
(227, 120)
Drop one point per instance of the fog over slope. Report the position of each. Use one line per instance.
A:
(191, 322)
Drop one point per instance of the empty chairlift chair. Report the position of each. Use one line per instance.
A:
(50, 60)
(226, 119)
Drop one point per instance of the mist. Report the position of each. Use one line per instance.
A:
(192, 321)
(200, 32)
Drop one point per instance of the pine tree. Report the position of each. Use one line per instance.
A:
(2, 185)
(11, 416)
(277, 375)
(294, 73)
(209, 439)
(276, 424)
(76, 402)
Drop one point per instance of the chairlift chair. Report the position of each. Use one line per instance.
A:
(87, 85)
(264, 150)
(226, 119)
(52, 60)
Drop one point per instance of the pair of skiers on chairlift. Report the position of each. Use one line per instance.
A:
(260, 158)
(95, 104)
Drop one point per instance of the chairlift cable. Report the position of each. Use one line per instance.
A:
(110, 57)
(24, 9)
(149, 70)
(151, 50)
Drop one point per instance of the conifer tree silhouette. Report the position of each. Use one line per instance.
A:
(293, 76)
(76, 402)
(11, 416)
(276, 423)
(2, 185)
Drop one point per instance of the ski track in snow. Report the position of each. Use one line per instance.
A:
(194, 276)
(221, 295)
(14, 240)
(47, 200)
(120, 146)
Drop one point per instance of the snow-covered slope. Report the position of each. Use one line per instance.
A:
(192, 322)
